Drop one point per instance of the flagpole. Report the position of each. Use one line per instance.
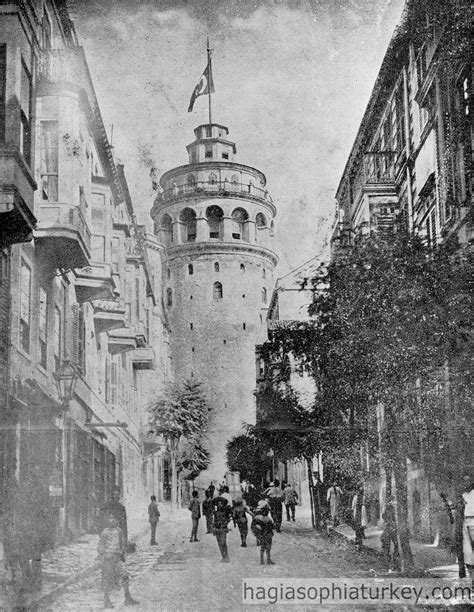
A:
(210, 72)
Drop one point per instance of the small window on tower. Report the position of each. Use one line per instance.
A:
(168, 273)
(264, 273)
(169, 297)
(190, 269)
(225, 156)
(216, 267)
(217, 291)
(242, 268)
(208, 152)
(244, 327)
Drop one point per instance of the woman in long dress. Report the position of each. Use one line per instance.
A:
(334, 499)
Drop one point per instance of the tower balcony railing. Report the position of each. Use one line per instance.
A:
(217, 189)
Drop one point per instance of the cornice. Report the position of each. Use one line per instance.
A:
(204, 248)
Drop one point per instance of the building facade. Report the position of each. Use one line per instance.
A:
(84, 337)
(411, 167)
(215, 218)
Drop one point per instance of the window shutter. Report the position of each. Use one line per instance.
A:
(75, 335)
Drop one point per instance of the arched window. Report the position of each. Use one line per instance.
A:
(264, 273)
(239, 224)
(260, 220)
(242, 268)
(169, 297)
(187, 219)
(166, 227)
(190, 269)
(264, 295)
(214, 216)
(212, 178)
(272, 228)
(216, 267)
(168, 273)
(217, 291)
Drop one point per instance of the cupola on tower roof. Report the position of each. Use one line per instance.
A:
(211, 143)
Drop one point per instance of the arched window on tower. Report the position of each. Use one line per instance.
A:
(264, 295)
(169, 297)
(239, 224)
(242, 268)
(166, 228)
(190, 269)
(216, 267)
(264, 273)
(217, 291)
(260, 220)
(187, 218)
(215, 216)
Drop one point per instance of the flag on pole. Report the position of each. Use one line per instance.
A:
(205, 86)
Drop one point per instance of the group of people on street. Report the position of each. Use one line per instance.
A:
(219, 509)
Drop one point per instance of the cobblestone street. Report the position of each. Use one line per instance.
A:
(179, 575)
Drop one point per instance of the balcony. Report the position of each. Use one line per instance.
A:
(63, 67)
(109, 314)
(215, 189)
(121, 340)
(95, 282)
(64, 232)
(143, 359)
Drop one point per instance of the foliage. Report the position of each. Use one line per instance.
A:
(180, 415)
(247, 455)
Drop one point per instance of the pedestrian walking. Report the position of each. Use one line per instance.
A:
(208, 509)
(359, 515)
(239, 515)
(468, 528)
(251, 497)
(264, 526)
(153, 518)
(258, 512)
(195, 508)
(319, 496)
(222, 516)
(224, 492)
(291, 499)
(334, 496)
(111, 549)
(118, 510)
(275, 499)
(390, 536)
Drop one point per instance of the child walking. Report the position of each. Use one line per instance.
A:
(111, 549)
(239, 515)
(264, 527)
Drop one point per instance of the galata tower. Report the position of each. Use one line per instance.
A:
(215, 218)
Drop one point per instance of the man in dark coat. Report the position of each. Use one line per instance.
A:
(118, 510)
(222, 516)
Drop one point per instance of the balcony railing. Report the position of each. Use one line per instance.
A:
(65, 229)
(94, 282)
(377, 168)
(218, 188)
(109, 314)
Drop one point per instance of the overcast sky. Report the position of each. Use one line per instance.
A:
(292, 80)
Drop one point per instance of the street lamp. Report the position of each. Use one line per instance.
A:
(66, 379)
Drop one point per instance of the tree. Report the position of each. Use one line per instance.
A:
(180, 416)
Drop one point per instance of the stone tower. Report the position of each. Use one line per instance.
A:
(215, 218)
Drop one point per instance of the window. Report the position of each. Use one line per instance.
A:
(79, 338)
(46, 31)
(191, 326)
(264, 295)
(190, 269)
(208, 152)
(112, 381)
(217, 291)
(216, 266)
(214, 216)
(3, 84)
(264, 273)
(49, 160)
(208, 131)
(187, 219)
(244, 326)
(98, 220)
(57, 338)
(98, 248)
(169, 297)
(168, 273)
(242, 268)
(137, 298)
(43, 327)
(25, 306)
(260, 220)
(239, 224)
(225, 156)
(25, 113)
(115, 244)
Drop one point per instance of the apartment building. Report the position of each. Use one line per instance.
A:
(411, 166)
(83, 332)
